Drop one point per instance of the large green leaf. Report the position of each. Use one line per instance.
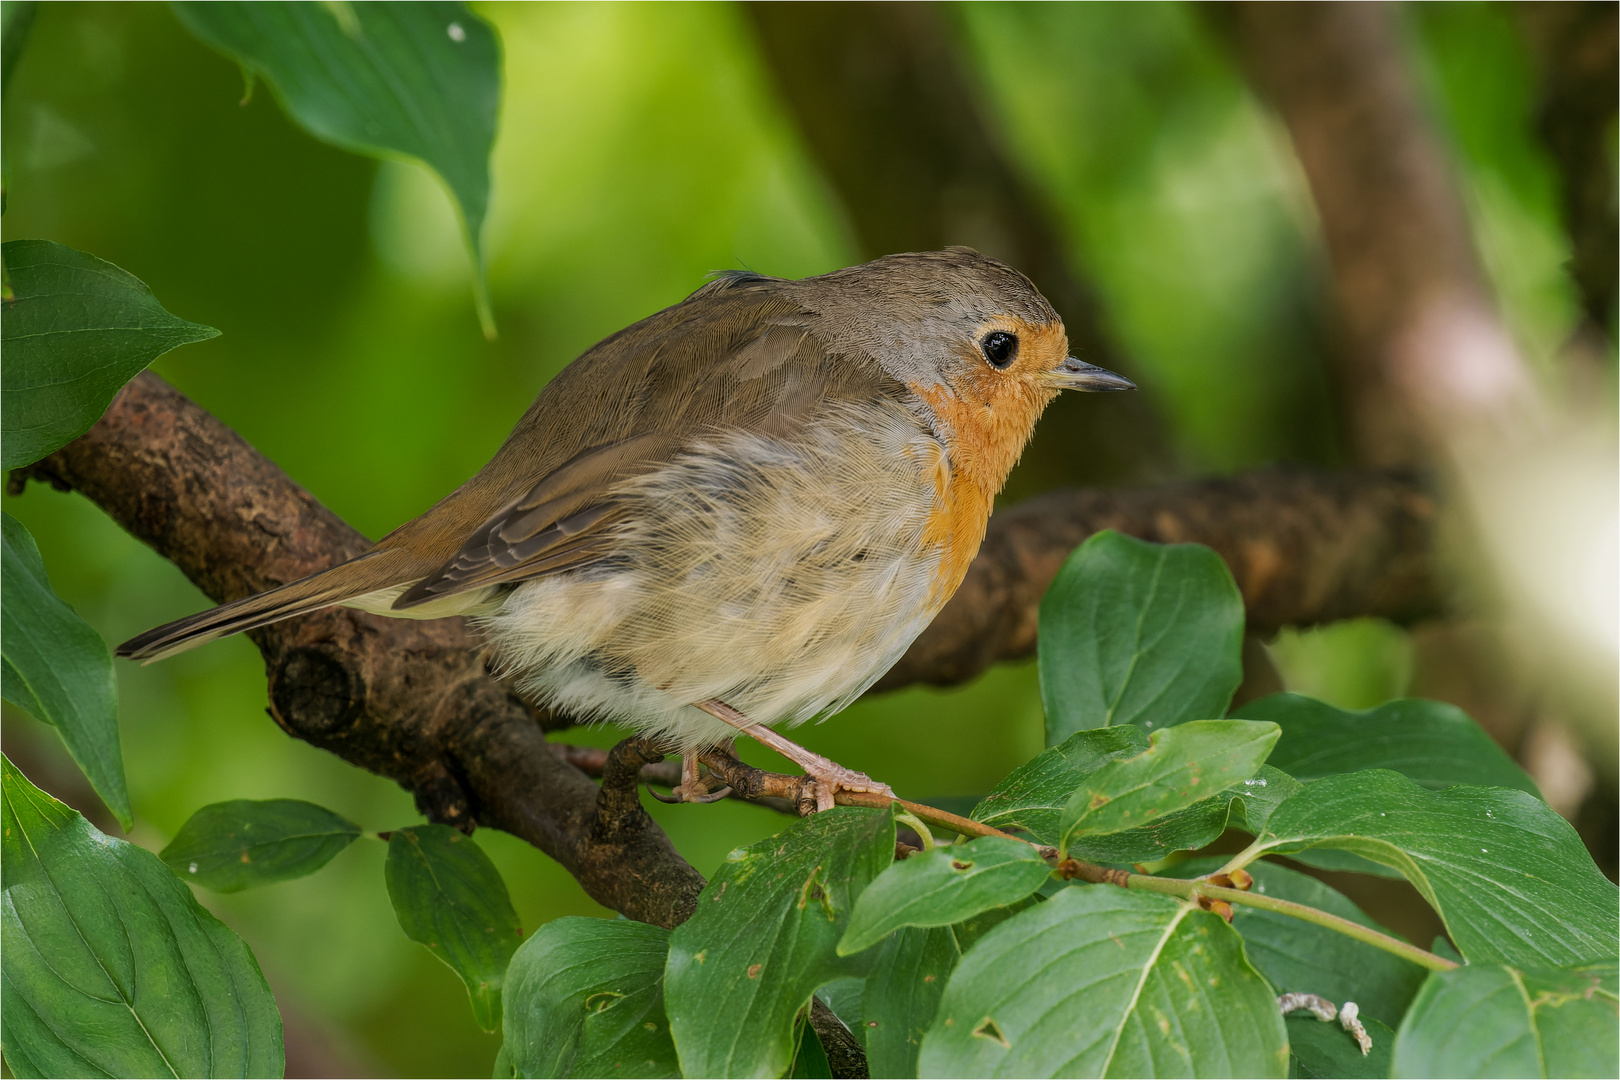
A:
(1182, 766)
(111, 967)
(585, 997)
(944, 886)
(1301, 956)
(1510, 878)
(76, 330)
(449, 897)
(1138, 633)
(1103, 981)
(231, 846)
(1429, 741)
(765, 935)
(1494, 1020)
(1325, 1049)
(908, 977)
(391, 79)
(56, 667)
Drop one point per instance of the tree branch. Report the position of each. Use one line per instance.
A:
(413, 701)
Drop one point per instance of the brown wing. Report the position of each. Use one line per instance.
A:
(739, 354)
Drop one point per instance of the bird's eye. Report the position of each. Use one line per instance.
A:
(999, 348)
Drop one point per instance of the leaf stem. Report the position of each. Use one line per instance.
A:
(1187, 888)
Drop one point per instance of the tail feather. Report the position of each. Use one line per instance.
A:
(336, 585)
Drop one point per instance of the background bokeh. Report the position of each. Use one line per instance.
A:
(642, 146)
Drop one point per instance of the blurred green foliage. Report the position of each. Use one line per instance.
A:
(640, 147)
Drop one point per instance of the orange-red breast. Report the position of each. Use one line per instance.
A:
(737, 512)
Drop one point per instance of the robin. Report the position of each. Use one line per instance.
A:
(738, 512)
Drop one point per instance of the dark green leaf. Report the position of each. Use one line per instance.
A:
(1497, 1021)
(810, 1063)
(909, 974)
(1102, 981)
(1182, 766)
(903, 990)
(390, 79)
(76, 332)
(1300, 956)
(1138, 633)
(111, 967)
(1033, 796)
(56, 667)
(449, 897)
(1510, 878)
(1325, 1049)
(1429, 741)
(231, 846)
(765, 935)
(585, 997)
(944, 886)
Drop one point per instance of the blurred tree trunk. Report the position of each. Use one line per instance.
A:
(893, 117)
(1578, 66)
(1427, 371)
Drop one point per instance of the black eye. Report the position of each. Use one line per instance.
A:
(999, 348)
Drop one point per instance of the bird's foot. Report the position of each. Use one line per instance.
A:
(816, 790)
(694, 786)
(829, 778)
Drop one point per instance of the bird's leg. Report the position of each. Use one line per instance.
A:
(830, 777)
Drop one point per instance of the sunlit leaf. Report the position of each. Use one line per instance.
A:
(585, 997)
(1138, 633)
(386, 78)
(1182, 766)
(1493, 1020)
(449, 897)
(765, 935)
(56, 667)
(231, 846)
(76, 331)
(111, 967)
(1103, 981)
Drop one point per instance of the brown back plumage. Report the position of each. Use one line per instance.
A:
(741, 353)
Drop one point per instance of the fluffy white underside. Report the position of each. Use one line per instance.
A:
(781, 578)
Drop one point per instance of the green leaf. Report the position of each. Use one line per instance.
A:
(1033, 796)
(1498, 1021)
(585, 997)
(77, 330)
(1297, 955)
(1431, 742)
(57, 668)
(1325, 1049)
(1182, 766)
(765, 935)
(449, 897)
(1138, 633)
(1509, 877)
(231, 846)
(111, 967)
(944, 886)
(810, 1063)
(1102, 981)
(390, 79)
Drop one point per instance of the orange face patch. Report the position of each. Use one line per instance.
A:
(987, 416)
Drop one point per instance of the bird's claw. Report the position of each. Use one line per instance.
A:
(691, 793)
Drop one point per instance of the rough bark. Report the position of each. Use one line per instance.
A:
(897, 124)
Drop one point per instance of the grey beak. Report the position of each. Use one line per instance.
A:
(1075, 374)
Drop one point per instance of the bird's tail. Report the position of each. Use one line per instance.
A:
(348, 581)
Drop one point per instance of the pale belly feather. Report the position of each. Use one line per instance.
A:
(780, 578)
